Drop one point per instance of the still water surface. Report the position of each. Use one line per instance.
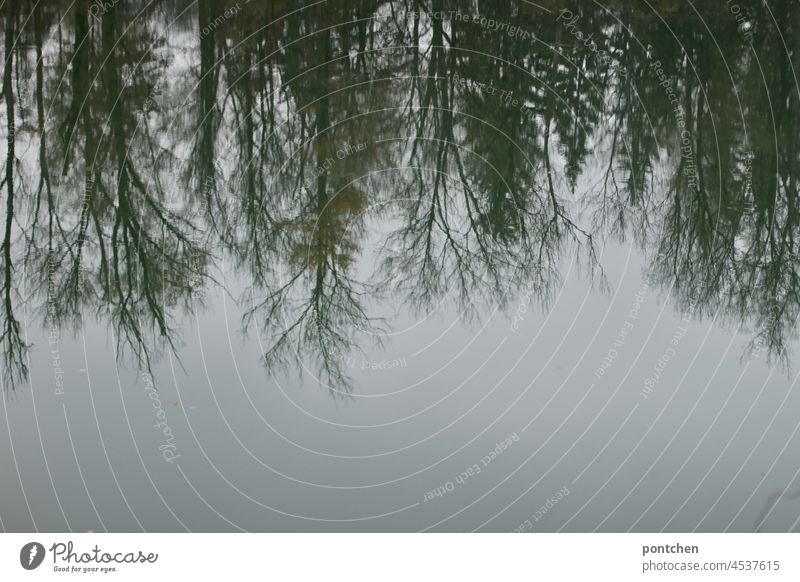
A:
(396, 266)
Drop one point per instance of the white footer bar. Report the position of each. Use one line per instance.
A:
(401, 557)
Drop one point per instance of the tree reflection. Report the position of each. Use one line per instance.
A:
(14, 348)
(467, 160)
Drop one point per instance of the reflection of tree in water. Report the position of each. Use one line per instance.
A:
(14, 348)
(101, 237)
(305, 296)
(486, 158)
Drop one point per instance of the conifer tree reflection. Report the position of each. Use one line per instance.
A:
(487, 158)
(14, 347)
(310, 216)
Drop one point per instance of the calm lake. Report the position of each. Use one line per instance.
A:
(368, 265)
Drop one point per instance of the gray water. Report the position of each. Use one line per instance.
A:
(359, 267)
